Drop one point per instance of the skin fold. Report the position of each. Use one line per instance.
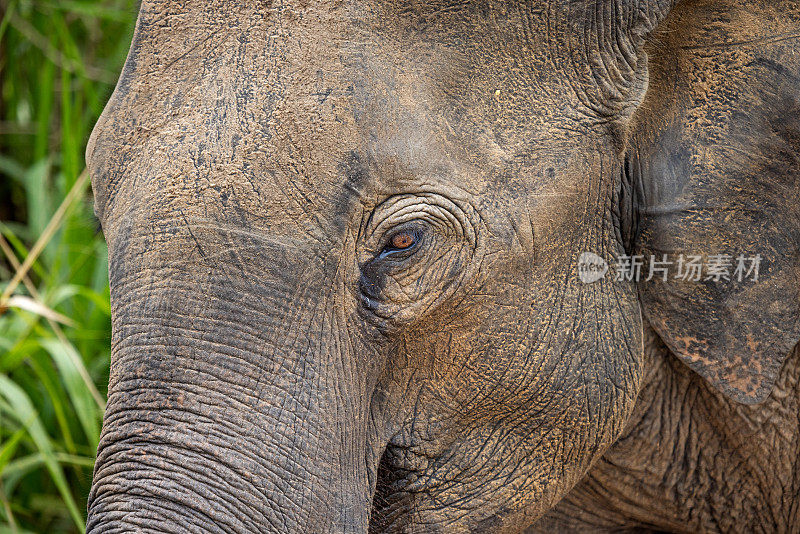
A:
(343, 251)
(692, 460)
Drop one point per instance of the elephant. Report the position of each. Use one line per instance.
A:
(452, 266)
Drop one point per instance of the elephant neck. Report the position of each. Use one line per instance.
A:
(691, 460)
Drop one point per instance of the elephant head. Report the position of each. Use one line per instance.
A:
(344, 244)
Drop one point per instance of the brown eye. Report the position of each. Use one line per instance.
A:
(402, 241)
(402, 244)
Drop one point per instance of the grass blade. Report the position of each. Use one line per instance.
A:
(28, 304)
(77, 362)
(23, 410)
(44, 239)
(65, 356)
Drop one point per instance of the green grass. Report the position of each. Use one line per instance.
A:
(59, 60)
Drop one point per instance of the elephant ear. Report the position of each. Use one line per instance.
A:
(713, 170)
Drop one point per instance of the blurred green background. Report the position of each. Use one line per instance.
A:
(59, 60)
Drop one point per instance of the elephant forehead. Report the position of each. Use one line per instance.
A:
(330, 106)
(208, 104)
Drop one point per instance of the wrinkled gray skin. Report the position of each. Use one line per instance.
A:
(279, 366)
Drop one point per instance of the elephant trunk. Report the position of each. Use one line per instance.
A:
(233, 405)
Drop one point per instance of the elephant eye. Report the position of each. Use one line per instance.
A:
(402, 241)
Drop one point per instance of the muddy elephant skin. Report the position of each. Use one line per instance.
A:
(344, 246)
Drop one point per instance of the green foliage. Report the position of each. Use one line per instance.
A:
(58, 64)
